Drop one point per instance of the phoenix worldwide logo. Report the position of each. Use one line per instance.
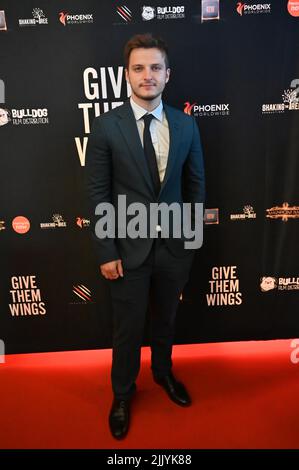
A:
(81, 222)
(240, 8)
(62, 17)
(188, 107)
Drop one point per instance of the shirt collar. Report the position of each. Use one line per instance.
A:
(139, 112)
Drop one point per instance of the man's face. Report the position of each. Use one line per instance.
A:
(147, 73)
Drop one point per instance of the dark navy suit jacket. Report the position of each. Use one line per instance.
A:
(116, 165)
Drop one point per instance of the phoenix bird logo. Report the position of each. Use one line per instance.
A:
(62, 17)
(240, 8)
(188, 107)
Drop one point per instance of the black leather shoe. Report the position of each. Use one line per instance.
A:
(119, 418)
(175, 390)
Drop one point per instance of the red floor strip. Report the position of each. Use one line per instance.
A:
(245, 395)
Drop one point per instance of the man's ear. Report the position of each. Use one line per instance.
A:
(167, 75)
(126, 74)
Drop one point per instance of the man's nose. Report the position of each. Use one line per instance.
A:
(147, 73)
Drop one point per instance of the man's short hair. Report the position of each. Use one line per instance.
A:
(147, 41)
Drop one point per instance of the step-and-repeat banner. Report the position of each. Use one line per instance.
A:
(235, 67)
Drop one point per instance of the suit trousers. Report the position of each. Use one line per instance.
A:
(156, 285)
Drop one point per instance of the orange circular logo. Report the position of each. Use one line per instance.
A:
(21, 224)
(293, 7)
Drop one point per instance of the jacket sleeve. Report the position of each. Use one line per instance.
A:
(193, 171)
(98, 180)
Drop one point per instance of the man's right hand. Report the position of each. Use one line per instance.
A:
(112, 270)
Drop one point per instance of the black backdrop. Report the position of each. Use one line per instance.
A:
(51, 295)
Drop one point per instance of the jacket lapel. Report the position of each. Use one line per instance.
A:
(174, 140)
(128, 128)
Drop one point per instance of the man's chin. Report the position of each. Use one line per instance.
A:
(148, 96)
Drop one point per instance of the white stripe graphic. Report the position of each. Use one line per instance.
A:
(84, 288)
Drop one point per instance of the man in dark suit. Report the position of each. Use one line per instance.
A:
(149, 153)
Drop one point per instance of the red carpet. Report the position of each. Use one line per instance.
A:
(245, 396)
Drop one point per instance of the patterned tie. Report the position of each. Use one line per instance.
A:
(150, 153)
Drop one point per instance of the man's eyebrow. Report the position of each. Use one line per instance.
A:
(141, 65)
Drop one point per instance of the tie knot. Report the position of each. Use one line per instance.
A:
(147, 119)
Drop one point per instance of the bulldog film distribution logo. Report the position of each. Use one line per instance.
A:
(148, 13)
(224, 287)
(38, 18)
(207, 110)
(253, 8)
(28, 116)
(4, 116)
(26, 297)
(66, 18)
(290, 100)
(284, 212)
(163, 13)
(268, 283)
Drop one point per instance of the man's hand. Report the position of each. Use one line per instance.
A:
(112, 270)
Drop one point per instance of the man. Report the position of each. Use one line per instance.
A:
(150, 153)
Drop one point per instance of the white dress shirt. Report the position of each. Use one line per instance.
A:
(159, 133)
